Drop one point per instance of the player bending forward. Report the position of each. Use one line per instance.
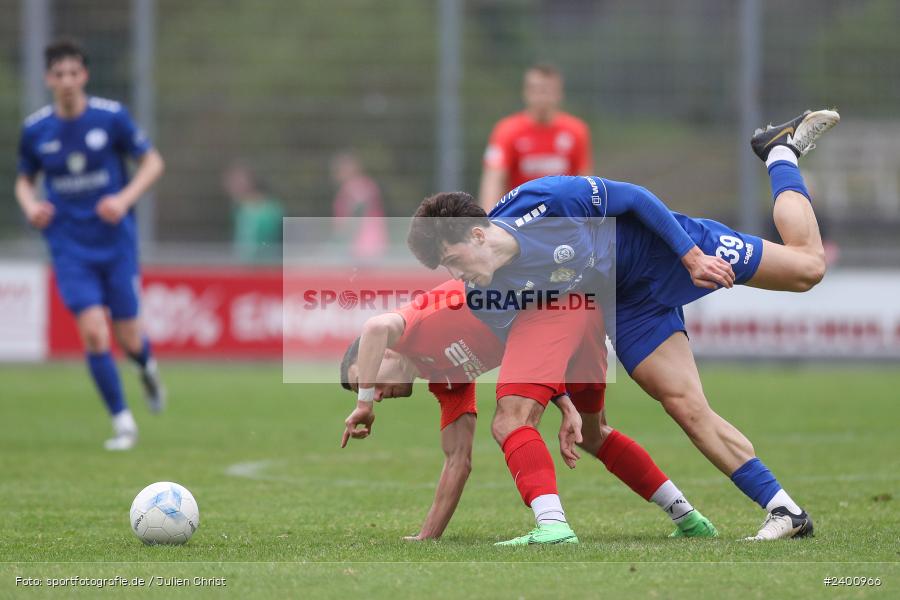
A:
(552, 235)
(440, 340)
(80, 144)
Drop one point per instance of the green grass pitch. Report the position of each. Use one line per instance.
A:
(286, 513)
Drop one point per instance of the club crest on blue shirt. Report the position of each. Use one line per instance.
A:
(76, 161)
(95, 139)
(563, 253)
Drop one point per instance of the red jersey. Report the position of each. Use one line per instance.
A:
(449, 346)
(360, 199)
(528, 149)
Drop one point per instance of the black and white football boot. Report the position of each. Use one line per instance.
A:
(154, 391)
(782, 524)
(798, 134)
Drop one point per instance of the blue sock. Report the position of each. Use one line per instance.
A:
(784, 176)
(103, 370)
(756, 481)
(144, 355)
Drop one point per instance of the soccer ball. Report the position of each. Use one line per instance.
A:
(164, 513)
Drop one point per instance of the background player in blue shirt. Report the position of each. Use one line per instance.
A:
(81, 144)
(550, 235)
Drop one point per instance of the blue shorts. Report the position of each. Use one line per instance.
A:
(649, 307)
(114, 284)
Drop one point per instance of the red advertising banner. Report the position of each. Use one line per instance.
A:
(243, 313)
(213, 313)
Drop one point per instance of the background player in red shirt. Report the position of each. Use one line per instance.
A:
(358, 209)
(439, 339)
(540, 140)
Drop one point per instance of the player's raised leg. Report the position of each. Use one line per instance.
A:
(632, 464)
(95, 336)
(136, 345)
(670, 375)
(531, 466)
(799, 263)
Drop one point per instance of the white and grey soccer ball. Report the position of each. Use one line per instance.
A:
(164, 513)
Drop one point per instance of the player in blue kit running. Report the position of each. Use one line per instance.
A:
(554, 235)
(80, 144)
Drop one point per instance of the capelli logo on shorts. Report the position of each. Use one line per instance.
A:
(749, 254)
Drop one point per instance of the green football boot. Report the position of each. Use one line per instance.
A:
(548, 533)
(695, 525)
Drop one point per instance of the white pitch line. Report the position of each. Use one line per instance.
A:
(250, 470)
(257, 471)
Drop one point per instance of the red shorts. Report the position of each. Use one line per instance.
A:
(587, 397)
(551, 351)
(455, 402)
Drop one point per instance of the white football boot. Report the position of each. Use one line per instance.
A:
(782, 524)
(125, 432)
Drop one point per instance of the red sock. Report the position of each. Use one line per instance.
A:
(529, 463)
(627, 460)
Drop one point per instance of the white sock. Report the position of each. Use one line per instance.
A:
(780, 153)
(123, 423)
(781, 498)
(669, 498)
(548, 509)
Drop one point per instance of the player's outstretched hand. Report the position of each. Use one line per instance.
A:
(112, 208)
(40, 214)
(570, 436)
(710, 272)
(363, 417)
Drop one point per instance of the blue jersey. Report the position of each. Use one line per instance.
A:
(83, 160)
(568, 242)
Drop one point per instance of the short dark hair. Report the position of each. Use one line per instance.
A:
(64, 48)
(546, 69)
(448, 218)
(350, 357)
